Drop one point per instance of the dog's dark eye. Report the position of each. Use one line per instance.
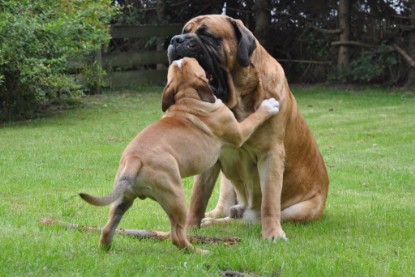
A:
(203, 32)
(202, 29)
(208, 37)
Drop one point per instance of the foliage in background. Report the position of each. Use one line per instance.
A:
(366, 67)
(37, 37)
(36, 40)
(300, 33)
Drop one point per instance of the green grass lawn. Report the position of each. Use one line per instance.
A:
(367, 138)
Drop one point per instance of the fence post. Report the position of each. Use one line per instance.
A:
(161, 14)
(98, 62)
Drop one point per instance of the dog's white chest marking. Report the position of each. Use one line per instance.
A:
(179, 63)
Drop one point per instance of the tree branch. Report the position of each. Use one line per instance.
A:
(310, 24)
(142, 234)
(325, 31)
(304, 61)
(351, 43)
(404, 55)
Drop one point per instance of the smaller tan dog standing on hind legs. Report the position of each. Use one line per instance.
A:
(186, 141)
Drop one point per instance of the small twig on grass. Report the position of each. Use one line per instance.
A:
(234, 273)
(143, 234)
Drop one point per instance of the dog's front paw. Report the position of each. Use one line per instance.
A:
(271, 105)
(218, 212)
(274, 237)
(213, 221)
(207, 221)
(202, 251)
(104, 247)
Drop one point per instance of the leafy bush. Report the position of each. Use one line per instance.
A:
(36, 40)
(367, 66)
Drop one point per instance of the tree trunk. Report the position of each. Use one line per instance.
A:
(216, 6)
(263, 20)
(410, 82)
(343, 61)
(161, 15)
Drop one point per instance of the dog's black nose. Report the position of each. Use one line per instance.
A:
(177, 39)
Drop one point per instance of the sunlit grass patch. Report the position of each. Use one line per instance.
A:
(368, 142)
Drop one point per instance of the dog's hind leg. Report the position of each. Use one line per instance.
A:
(304, 211)
(118, 209)
(173, 202)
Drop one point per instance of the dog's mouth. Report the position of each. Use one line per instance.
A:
(192, 46)
(209, 77)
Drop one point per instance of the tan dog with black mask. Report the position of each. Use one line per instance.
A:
(279, 173)
(186, 141)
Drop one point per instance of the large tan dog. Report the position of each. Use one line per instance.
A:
(279, 173)
(186, 141)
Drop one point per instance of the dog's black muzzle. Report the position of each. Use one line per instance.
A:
(184, 46)
(190, 45)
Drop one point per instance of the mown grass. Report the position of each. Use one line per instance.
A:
(367, 138)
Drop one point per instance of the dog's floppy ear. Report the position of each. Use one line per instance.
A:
(205, 93)
(167, 97)
(246, 42)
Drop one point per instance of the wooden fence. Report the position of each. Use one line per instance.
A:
(113, 62)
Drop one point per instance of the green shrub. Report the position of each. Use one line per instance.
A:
(36, 40)
(367, 66)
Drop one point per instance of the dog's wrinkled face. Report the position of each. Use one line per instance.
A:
(186, 79)
(219, 43)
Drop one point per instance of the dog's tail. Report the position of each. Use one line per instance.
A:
(124, 182)
(106, 200)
